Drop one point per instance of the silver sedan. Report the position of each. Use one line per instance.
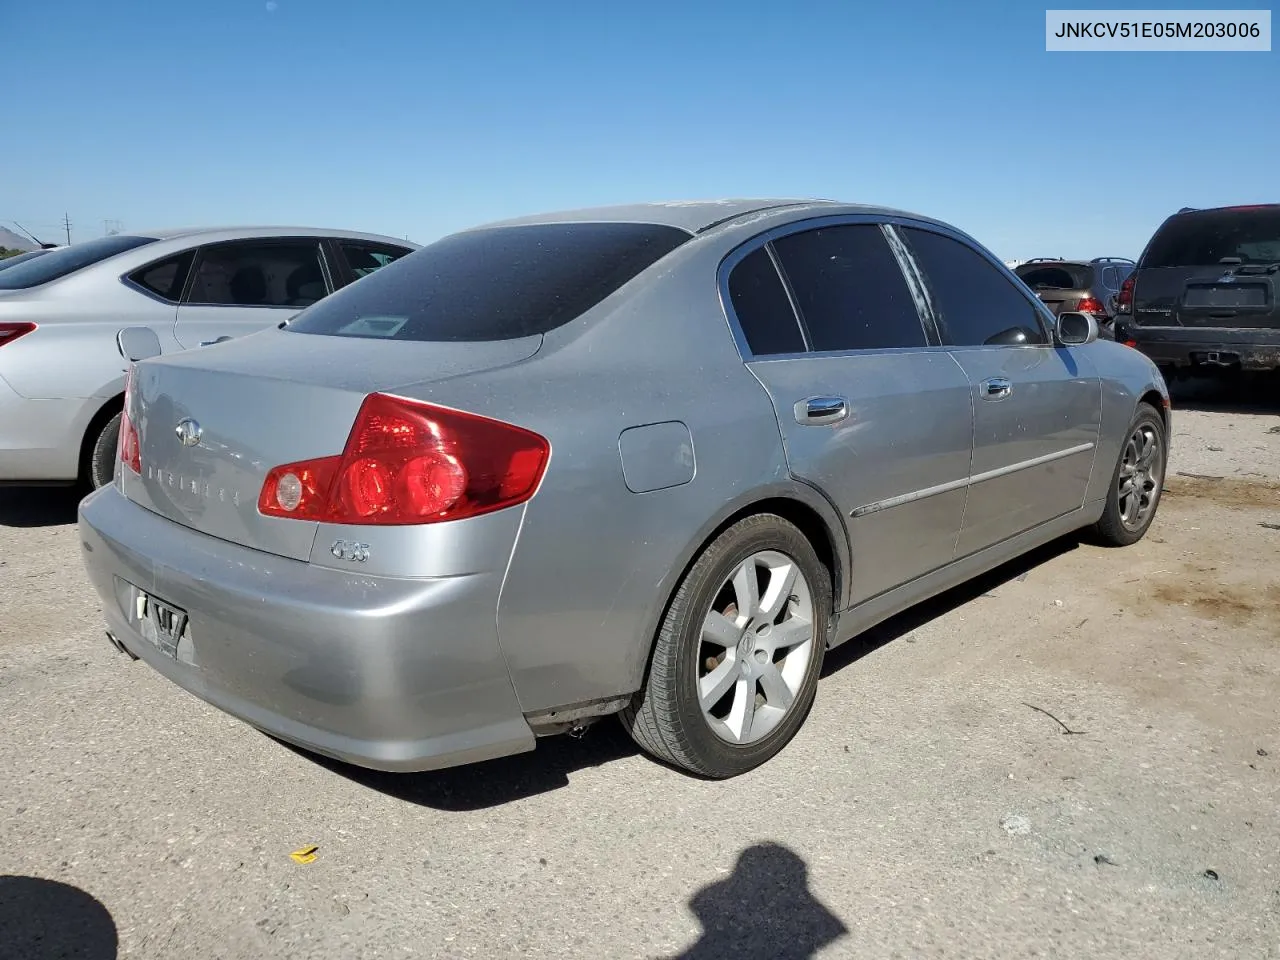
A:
(61, 378)
(652, 461)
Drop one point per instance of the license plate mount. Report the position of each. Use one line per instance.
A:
(161, 624)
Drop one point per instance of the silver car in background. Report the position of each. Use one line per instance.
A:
(651, 461)
(61, 376)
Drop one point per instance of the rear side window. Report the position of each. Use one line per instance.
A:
(1206, 238)
(498, 283)
(166, 278)
(762, 307)
(256, 273)
(979, 306)
(850, 289)
(57, 264)
(1058, 276)
(363, 257)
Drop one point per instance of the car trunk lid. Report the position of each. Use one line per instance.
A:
(213, 421)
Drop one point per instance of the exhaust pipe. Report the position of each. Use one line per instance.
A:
(120, 647)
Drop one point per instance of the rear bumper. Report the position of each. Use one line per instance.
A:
(390, 674)
(1208, 347)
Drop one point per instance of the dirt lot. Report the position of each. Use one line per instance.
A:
(1077, 756)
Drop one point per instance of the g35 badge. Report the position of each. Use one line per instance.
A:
(350, 550)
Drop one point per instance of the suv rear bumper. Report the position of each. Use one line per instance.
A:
(1207, 347)
(391, 674)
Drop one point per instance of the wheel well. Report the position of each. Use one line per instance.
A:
(105, 413)
(807, 520)
(1154, 398)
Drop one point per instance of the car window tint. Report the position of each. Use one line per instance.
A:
(59, 263)
(364, 257)
(762, 307)
(259, 274)
(166, 278)
(850, 289)
(1205, 237)
(977, 304)
(1057, 277)
(495, 283)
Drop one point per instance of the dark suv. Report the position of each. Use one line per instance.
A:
(1203, 297)
(1082, 286)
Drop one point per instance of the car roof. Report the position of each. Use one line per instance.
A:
(239, 232)
(1226, 208)
(696, 216)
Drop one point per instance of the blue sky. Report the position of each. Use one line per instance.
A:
(418, 117)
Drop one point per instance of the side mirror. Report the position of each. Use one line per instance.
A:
(1076, 329)
(137, 343)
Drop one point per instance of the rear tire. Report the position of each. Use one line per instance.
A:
(1137, 481)
(100, 464)
(736, 663)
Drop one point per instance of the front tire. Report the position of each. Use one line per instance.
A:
(100, 465)
(736, 664)
(1137, 482)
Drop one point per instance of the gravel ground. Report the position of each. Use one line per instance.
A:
(933, 805)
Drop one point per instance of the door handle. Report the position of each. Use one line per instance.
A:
(210, 343)
(997, 388)
(820, 410)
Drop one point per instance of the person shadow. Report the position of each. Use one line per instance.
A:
(47, 920)
(764, 909)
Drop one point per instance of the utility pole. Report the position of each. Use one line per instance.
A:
(66, 223)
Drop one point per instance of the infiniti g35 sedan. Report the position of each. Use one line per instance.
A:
(652, 461)
(61, 377)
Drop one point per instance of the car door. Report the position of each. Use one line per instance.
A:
(238, 287)
(873, 412)
(1037, 406)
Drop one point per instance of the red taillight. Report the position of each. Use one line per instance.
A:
(128, 449)
(1124, 299)
(10, 332)
(410, 462)
(1090, 305)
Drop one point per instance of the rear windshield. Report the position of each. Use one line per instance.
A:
(65, 260)
(500, 283)
(10, 262)
(1056, 276)
(1207, 238)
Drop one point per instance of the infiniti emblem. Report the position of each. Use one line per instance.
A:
(188, 432)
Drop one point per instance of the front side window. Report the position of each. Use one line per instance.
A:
(364, 257)
(978, 306)
(849, 289)
(762, 307)
(56, 264)
(256, 273)
(496, 283)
